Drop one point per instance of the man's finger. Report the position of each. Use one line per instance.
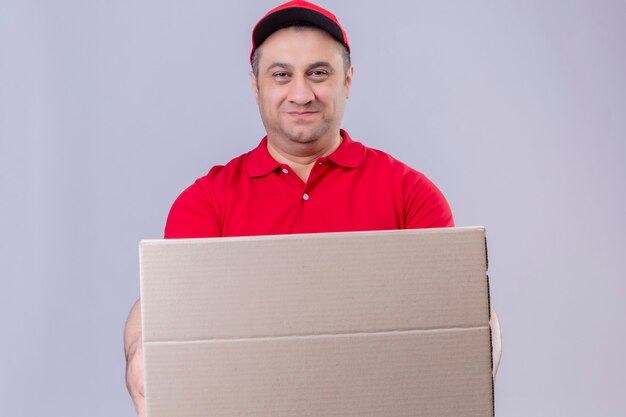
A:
(139, 401)
(141, 407)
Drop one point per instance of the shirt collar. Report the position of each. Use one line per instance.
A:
(260, 162)
(349, 155)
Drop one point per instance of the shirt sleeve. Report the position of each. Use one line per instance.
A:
(425, 205)
(194, 214)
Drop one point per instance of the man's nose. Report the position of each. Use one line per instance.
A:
(300, 91)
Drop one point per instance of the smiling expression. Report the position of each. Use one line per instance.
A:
(302, 87)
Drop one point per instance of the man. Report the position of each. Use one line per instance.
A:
(307, 175)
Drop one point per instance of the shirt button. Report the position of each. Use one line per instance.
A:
(285, 171)
(320, 163)
(305, 196)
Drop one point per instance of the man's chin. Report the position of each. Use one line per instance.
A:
(305, 135)
(301, 137)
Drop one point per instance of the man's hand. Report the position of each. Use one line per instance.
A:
(496, 341)
(133, 349)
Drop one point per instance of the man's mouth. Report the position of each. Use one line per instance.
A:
(301, 113)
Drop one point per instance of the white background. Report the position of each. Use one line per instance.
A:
(517, 110)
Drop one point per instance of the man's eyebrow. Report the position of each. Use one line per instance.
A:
(279, 65)
(321, 64)
(290, 67)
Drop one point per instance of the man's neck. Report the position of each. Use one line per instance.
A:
(301, 157)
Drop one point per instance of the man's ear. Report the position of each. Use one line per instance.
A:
(348, 82)
(255, 86)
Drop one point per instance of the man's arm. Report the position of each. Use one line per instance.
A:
(192, 215)
(134, 358)
(496, 341)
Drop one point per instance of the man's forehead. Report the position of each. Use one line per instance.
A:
(297, 43)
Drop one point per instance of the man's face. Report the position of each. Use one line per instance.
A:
(302, 86)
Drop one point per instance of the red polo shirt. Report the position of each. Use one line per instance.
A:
(353, 189)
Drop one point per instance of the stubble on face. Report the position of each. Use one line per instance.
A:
(303, 134)
(307, 115)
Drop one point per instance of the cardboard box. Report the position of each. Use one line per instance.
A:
(389, 323)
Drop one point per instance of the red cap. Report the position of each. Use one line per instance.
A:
(297, 11)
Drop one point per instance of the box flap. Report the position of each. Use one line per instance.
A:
(200, 289)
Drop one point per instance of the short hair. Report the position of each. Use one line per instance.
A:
(256, 55)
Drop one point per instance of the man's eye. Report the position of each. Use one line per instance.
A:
(319, 73)
(280, 75)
